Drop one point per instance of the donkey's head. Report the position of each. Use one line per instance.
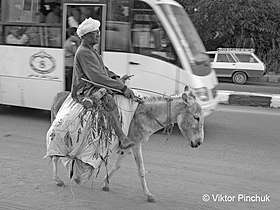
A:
(190, 119)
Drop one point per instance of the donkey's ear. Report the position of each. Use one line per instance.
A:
(189, 92)
(186, 98)
(186, 89)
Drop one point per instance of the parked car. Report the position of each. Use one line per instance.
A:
(236, 63)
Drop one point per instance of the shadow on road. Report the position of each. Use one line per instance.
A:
(24, 112)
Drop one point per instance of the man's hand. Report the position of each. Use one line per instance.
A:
(126, 77)
(128, 93)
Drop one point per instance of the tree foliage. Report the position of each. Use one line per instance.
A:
(240, 23)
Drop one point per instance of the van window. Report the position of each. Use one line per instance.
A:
(246, 58)
(225, 58)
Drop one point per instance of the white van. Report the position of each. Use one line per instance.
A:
(236, 63)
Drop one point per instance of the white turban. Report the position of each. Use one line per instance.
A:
(88, 25)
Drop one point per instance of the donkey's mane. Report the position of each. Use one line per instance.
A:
(158, 98)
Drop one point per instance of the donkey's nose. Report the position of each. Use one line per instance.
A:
(195, 144)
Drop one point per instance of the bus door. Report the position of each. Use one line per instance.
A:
(153, 60)
(75, 13)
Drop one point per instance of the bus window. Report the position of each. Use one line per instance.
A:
(32, 23)
(117, 26)
(73, 17)
(148, 36)
(36, 36)
(16, 35)
(20, 11)
(54, 15)
(76, 14)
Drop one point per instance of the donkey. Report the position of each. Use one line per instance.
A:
(153, 114)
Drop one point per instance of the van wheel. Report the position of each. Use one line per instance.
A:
(239, 78)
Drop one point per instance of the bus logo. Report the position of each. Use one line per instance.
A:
(42, 63)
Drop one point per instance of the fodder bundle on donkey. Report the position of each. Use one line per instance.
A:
(151, 115)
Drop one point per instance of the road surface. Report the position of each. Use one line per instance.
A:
(239, 157)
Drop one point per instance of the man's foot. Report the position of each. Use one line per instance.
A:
(126, 143)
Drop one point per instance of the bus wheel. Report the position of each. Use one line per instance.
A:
(239, 78)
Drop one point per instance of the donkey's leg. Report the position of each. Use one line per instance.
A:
(58, 181)
(116, 167)
(137, 150)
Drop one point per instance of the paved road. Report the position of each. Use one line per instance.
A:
(240, 155)
(250, 86)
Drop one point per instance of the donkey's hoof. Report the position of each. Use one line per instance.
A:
(60, 183)
(77, 180)
(105, 188)
(151, 199)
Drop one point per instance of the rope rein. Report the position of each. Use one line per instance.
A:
(168, 128)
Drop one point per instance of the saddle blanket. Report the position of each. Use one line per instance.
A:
(73, 133)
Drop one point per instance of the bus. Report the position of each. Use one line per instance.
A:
(154, 40)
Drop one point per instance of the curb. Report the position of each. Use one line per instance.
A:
(248, 99)
(270, 78)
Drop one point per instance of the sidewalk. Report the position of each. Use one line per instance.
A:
(270, 78)
(252, 99)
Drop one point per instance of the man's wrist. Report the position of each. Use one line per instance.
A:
(124, 88)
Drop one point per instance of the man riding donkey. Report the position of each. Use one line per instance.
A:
(88, 65)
